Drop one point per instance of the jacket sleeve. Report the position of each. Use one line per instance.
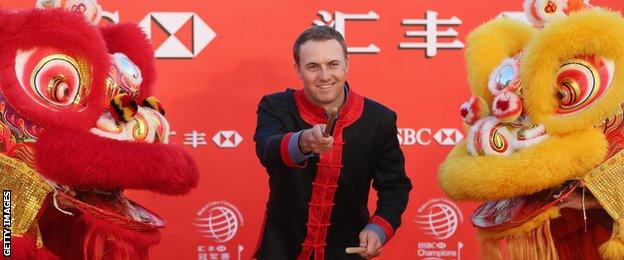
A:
(272, 139)
(389, 180)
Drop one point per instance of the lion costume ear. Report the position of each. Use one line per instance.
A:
(130, 40)
(490, 44)
(572, 73)
(52, 68)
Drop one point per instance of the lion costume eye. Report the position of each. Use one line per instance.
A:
(53, 79)
(581, 82)
(505, 76)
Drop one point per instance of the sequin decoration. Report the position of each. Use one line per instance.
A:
(28, 192)
(606, 182)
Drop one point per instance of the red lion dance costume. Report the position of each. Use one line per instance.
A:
(78, 126)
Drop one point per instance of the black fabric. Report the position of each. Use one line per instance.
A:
(371, 152)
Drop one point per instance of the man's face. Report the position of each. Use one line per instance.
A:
(323, 69)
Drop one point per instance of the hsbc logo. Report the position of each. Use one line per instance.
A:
(171, 23)
(227, 139)
(425, 136)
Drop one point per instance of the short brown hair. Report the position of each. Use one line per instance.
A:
(318, 33)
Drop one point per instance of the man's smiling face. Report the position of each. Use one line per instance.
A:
(323, 69)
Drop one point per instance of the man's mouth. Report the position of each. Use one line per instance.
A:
(325, 85)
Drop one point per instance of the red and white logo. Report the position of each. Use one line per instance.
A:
(218, 221)
(227, 139)
(439, 218)
(425, 136)
(171, 23)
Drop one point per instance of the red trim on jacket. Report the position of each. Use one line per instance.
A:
(286, 154)
(284, 151)
(383, 223)
(328, 170)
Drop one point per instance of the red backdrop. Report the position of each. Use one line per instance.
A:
(225, 55)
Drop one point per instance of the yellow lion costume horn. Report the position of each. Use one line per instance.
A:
(545, 124)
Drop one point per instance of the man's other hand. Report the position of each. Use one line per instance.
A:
(370, 240)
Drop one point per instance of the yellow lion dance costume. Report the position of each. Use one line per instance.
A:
(545, 139)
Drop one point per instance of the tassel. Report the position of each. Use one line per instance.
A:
(490, 249)
(89, 237)
(613, 248)
(532, 240)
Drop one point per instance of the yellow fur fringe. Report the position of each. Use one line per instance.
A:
(545, 165)
(488, 45)
(532, 240)
(613, 249)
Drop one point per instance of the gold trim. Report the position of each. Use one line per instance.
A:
(28, 192)
(606, 182)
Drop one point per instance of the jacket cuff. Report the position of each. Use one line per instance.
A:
(377, 229)
(293, 149)
(384, 225)
(285, 152)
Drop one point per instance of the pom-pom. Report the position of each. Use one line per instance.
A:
(474, 109)
(153, 103)
(612, 249)
(123, 108)
(507, 106)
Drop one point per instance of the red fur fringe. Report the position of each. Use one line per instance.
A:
(130, 40)
(26, 249)
(91, 161)
(571, 239)
(67, 32)
(86, 237)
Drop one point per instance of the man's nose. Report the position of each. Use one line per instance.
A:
(325, 74)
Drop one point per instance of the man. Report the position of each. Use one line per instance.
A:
(319, 185)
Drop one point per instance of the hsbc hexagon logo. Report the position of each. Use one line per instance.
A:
(425, 136)
(227, 139)
(170, 23)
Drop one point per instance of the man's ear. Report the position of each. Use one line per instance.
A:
(297, 70)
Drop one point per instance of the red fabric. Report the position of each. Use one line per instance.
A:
(328, 171)
(383, 223)
(85, 237)
(284, 151)
(130, 40)
(24, 248)
(571, 239)
(33, 29)
(97, 162)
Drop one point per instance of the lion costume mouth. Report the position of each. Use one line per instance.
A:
(533, 169)
(111, 206)
(106, 164)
